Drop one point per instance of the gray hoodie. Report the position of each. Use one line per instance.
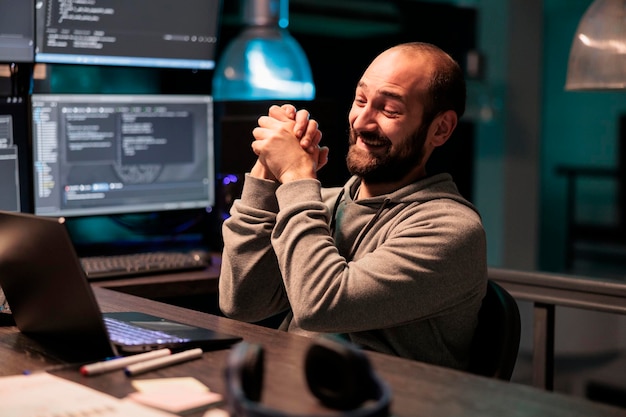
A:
(403, 273)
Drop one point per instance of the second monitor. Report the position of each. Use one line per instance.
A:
(108, 154)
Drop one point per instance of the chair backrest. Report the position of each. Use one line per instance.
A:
(497, 337)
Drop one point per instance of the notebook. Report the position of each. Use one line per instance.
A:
(53, 303)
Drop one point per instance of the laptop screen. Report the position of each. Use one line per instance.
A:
(107, 154)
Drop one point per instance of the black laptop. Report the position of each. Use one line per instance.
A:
(52, 301)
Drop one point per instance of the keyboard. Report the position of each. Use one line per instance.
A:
(128, 334)
(118, 266)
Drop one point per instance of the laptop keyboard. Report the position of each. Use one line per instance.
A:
(128, 334)
(100, 267)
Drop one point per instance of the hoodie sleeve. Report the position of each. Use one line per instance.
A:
(250, 284)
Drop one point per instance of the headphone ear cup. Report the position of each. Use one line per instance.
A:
(338, 374)
(246, 367)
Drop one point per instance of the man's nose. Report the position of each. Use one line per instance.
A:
(364, 119)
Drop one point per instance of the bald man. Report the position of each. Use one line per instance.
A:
(395, 259)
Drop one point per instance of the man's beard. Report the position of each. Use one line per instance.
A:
(386, 167)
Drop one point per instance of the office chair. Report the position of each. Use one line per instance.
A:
(497, 337)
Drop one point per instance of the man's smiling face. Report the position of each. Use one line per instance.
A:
(387, 133)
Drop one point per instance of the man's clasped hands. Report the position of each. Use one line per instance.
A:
(286, 142)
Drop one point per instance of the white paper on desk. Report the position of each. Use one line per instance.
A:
(46, 395)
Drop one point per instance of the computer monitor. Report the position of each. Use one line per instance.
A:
(103, 154)
(15, 175)
(142, 33)
(17, 31)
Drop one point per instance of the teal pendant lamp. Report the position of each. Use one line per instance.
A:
(264, 61)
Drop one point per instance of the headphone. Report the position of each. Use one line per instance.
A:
(337, 373)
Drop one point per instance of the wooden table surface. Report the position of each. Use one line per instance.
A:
(418, 389)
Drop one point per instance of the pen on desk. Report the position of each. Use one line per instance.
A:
(120, 363)
(158, 363)
(53, 368)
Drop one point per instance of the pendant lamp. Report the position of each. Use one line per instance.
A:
(264, 61)
(597, 58)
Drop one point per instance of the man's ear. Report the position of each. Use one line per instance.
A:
(442, 127)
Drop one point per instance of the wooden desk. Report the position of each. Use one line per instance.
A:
(418, 389)
(546, 291)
